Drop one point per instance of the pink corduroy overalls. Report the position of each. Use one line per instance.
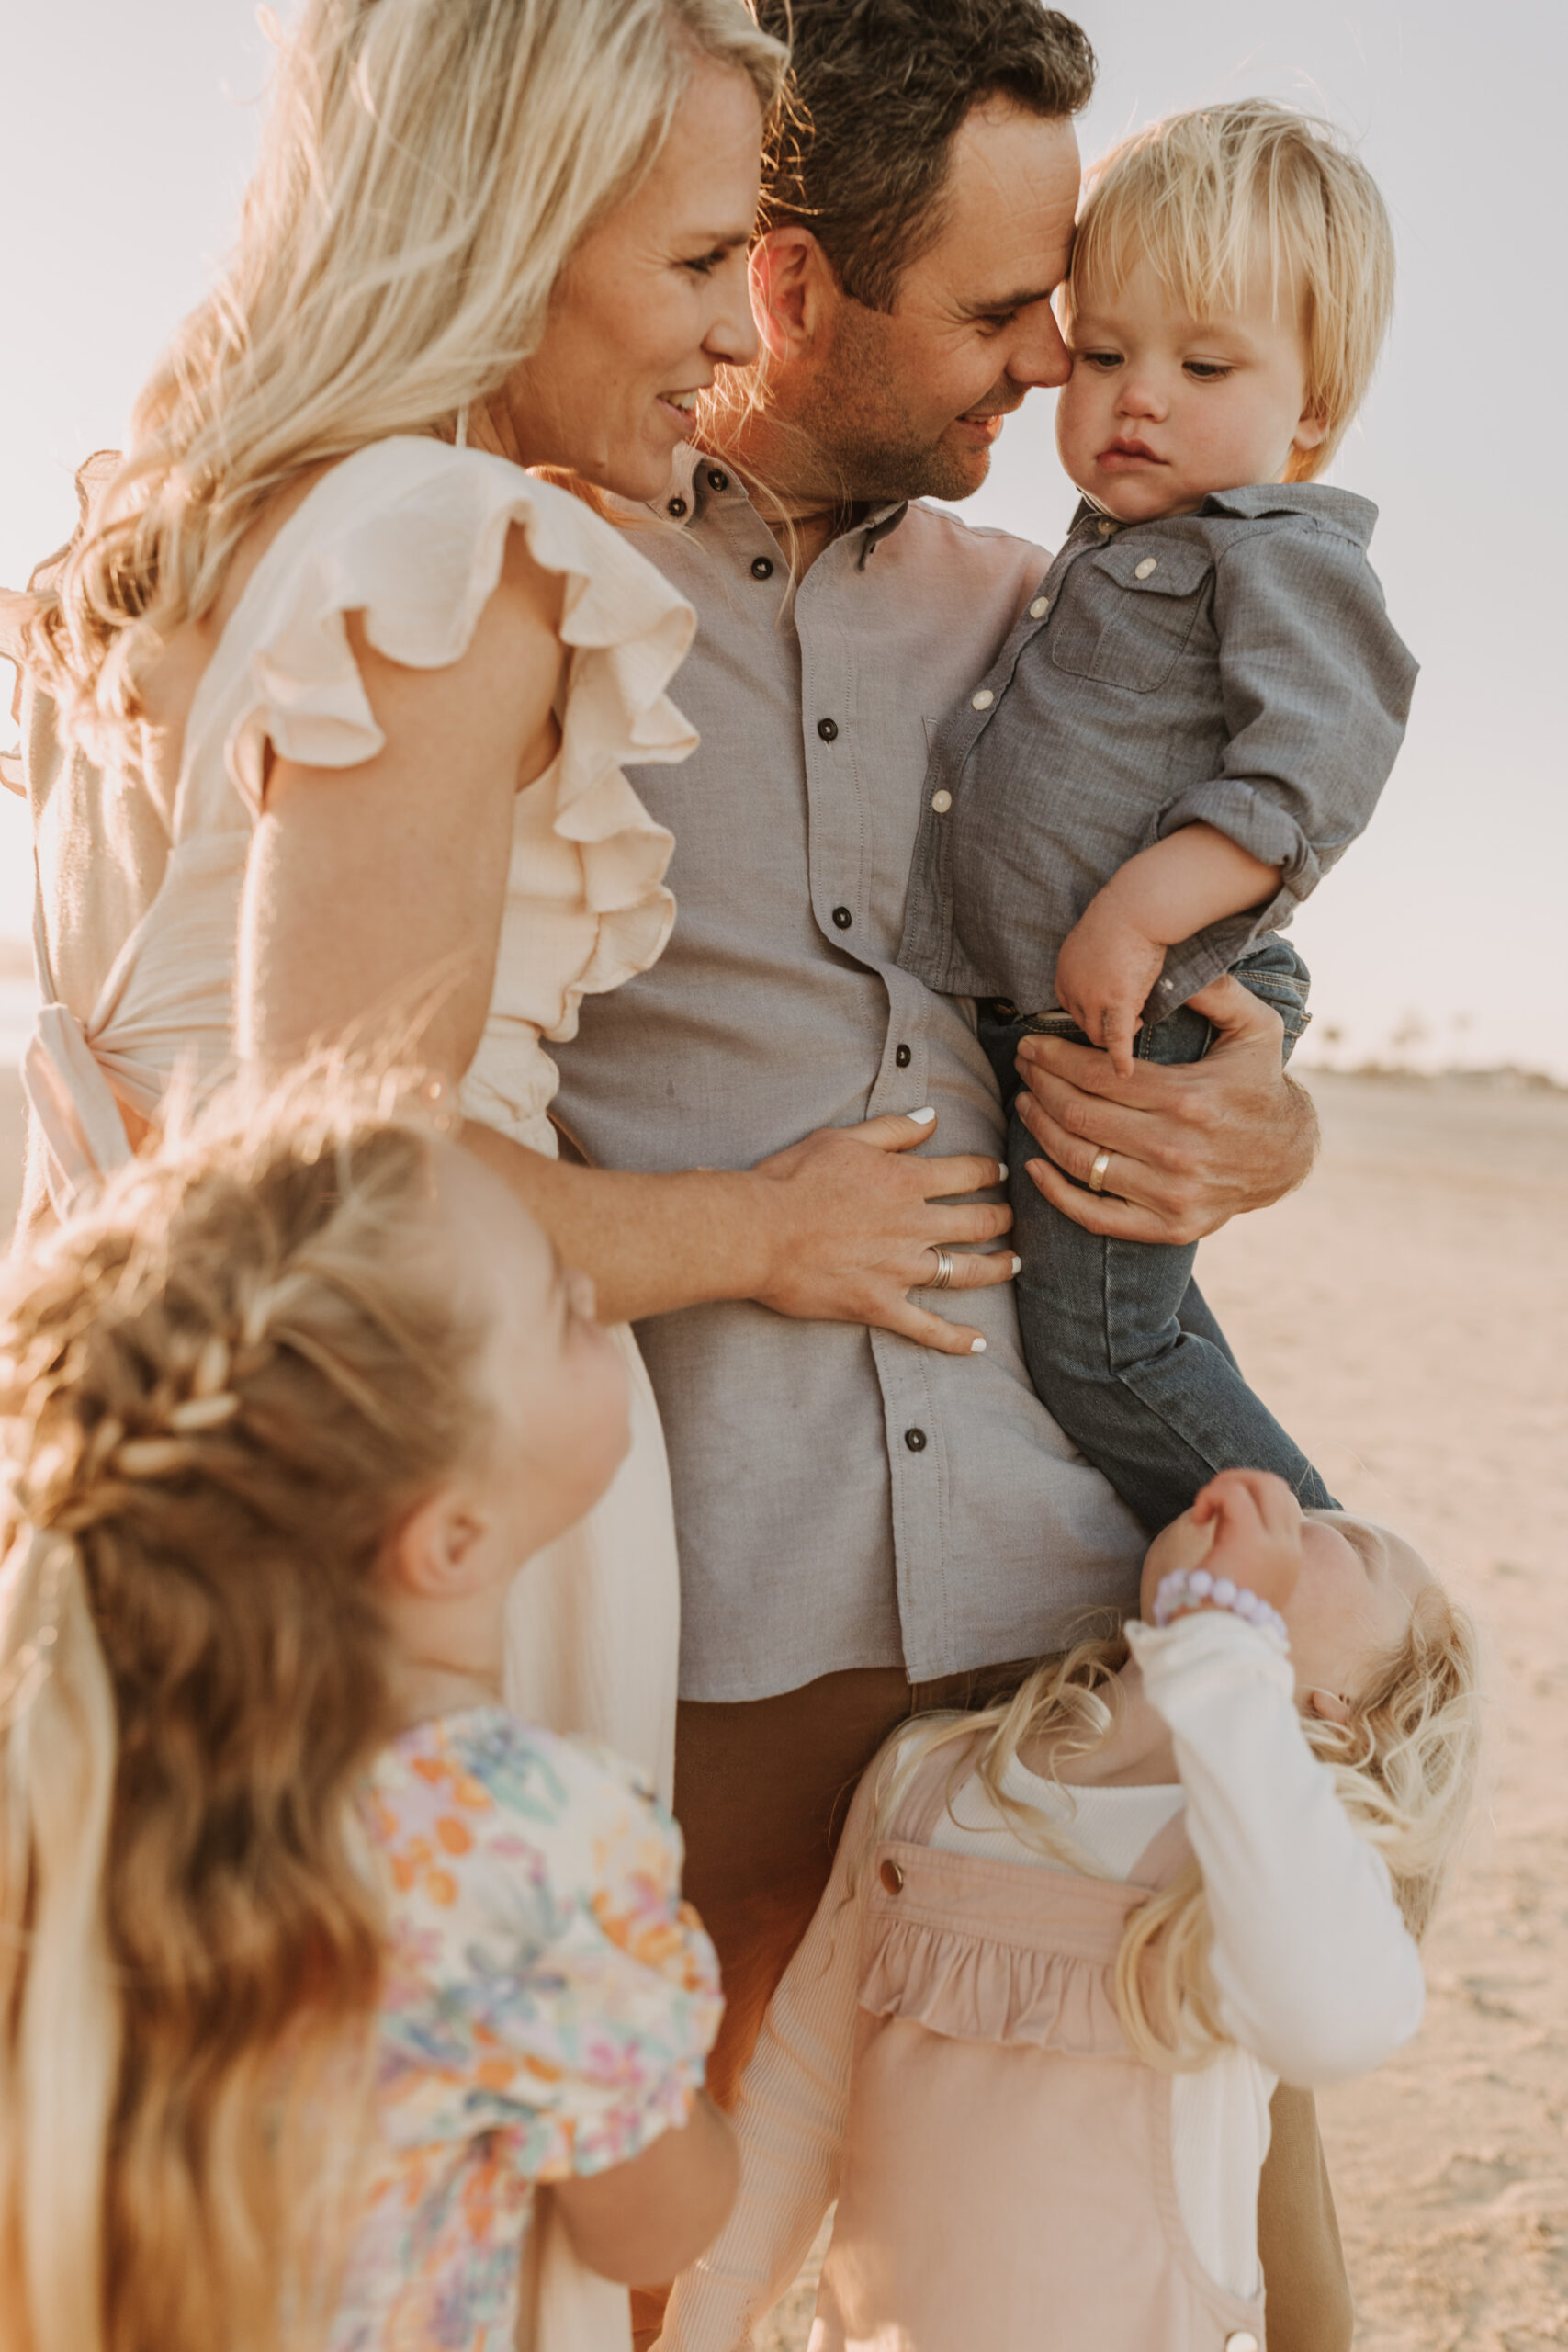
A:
(1007, 2184)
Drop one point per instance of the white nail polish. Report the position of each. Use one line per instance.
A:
(976, 1347)
(1001, 1172)
(1018, 1265)
(922, 1118)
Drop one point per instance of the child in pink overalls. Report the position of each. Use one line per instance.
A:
(1072, 1944)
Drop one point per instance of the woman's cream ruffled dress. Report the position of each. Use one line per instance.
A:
(136, 937)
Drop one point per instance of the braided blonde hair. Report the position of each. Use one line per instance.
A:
(1404, 1768)
(428, 169)
(226, 1384)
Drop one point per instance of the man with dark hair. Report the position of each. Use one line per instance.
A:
(866, 168)
(866, 1525)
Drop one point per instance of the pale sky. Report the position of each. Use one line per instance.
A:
(130, 132)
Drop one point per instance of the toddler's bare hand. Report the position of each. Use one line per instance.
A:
(1104, 973)
(1256, 1523)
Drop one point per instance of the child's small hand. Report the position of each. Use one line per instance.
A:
(1256, 1526)
(1104, 973)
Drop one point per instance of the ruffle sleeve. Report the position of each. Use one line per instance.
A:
(412, 535)
(546, 1980)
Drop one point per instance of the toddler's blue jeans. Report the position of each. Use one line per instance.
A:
(1120, 1343)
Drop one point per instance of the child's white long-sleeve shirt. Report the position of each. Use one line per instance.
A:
(1318, 1979)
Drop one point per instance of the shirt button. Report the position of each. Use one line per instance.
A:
(915, 1439)
(828, 729)
(762, 566)
(982, 700)
(903, 1057)
(1040, 606)
(1243, 2340)
(1104, 526)
(677, 507)
(1142, 570)
(942, 802)
(718, 478)
(843, 917)
(892, 1877)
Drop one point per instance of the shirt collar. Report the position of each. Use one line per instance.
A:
(694, 482)
(1351, 513)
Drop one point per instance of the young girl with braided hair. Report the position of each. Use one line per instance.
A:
(314, 1961)
(1072, 1944)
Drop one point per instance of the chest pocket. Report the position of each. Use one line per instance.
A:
(1127, 612)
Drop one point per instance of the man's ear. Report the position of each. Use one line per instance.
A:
(794, 290)
(432, 1555)
(1329, 1706)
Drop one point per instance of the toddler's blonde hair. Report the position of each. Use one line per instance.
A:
(1404, 1768)
(225, 1384)
(1207, 196)
(428, 169)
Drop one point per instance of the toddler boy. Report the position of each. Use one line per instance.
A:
(1189, 726)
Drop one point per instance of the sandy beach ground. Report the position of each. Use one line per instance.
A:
(1405, 1314)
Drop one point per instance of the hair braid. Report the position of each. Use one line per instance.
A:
(226, 1384)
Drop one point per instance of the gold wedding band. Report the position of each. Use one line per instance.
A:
(1097, 1173)
(943, 1277)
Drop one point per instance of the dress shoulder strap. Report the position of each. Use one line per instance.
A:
(925, 1799)
(1166, 1855)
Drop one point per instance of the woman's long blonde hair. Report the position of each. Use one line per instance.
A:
(225, 1387)
(428, 169)
(1404, 1768)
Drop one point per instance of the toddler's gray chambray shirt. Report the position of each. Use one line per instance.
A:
(1233, 666)
(842, 1496)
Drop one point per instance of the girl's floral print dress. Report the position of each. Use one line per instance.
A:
(548, 2008)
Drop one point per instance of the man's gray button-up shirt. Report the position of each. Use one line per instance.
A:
(816, 1532)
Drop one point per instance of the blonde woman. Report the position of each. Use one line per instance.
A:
(364, 687)
(1071, 1945)
(314, 1960)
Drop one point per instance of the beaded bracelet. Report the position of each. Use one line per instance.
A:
(1185, 1589)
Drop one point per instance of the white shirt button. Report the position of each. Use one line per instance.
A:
(942, 802)
(982, 700)
(1243, 2340)
(1142, 570)
(1040, 606)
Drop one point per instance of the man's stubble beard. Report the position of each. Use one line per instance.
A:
(874, 456)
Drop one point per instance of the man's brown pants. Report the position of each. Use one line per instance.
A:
(761, 1793)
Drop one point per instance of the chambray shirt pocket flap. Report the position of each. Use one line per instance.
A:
(1131, 613)
(1179, 570)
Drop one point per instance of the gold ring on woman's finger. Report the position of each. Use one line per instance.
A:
(1097, 1173)
(943, 1277)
